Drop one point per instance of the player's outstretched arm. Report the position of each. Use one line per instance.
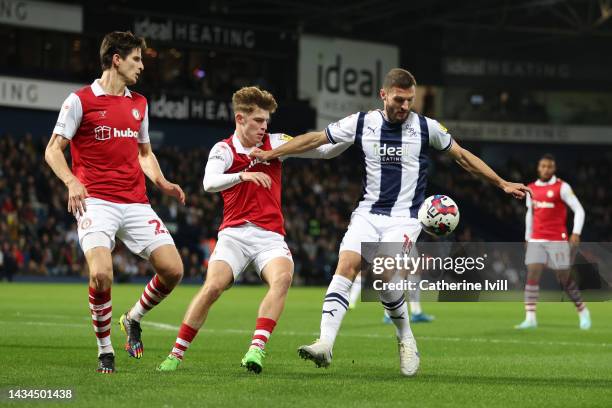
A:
(150, 167)
(54, 156)
(298, 144)
(476, 166)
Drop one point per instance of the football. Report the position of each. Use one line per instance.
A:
(439, 215)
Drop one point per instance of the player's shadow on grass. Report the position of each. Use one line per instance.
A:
(526, 381)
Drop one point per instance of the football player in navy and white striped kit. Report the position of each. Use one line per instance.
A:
(394, 144)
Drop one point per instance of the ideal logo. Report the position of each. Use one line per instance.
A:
(153, 30)
(390, 154)
(339, 79)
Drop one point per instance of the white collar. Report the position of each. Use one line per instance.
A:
(240, 148)
(550, 182)
(97, 90)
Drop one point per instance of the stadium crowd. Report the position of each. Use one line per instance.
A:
(38, 236)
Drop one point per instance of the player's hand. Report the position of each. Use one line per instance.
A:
(263, 155)
(574, 240)
(173, 190)
(517, 190)
(77, 193)
(257, 177)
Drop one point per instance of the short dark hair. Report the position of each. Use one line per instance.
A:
(547, 156)
(118, 42)
(399, 78)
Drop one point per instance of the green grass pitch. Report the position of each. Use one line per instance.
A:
(470, 356)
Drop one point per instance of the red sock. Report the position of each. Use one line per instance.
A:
(184, 339)
(532, 292)
(154, 292)
(263, 329)
(101, 309)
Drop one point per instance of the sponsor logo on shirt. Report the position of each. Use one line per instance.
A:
(543, 204)
(390, 154)
(106, 132)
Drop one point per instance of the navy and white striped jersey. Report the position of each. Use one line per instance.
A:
(395, 156)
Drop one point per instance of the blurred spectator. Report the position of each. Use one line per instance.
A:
(39, 236)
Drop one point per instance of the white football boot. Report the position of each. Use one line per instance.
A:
(320, 352)
(527, 324)
(585, 319)
(409, 357)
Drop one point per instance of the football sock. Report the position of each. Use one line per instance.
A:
(335, 305)
(100, 306)
(532, 291)
(394, 303)
(355, 291)
(153, 293)
(574, 294)
(183, 340)
(263, 329)
(414, 296)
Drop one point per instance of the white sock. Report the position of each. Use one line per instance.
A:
(414, 296)
(415, 308)
(105, 348)
(335, 305)
(530, 316)
(395, 306)
(355, 291)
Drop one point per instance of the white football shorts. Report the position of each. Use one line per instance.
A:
(136, 225)
(397, 234)
(245, 244)
(554, 254)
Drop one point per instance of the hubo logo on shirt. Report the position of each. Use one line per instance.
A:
(106, 132)
(390, 154)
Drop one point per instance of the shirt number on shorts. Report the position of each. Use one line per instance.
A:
(158, 227)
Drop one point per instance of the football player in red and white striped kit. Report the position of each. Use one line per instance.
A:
(106, 126)
(252, 231)
(547, 239)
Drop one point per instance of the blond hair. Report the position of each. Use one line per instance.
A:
(246, 99)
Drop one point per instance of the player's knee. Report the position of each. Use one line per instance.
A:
(212, 291)
(172, 271)
(101, 277)
(282, 281)
(175, 272)
(347, 270)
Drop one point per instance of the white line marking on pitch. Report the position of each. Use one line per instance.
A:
(170, 327)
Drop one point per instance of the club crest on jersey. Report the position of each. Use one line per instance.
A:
(550, 194)
(136, 114)
(85, 223)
